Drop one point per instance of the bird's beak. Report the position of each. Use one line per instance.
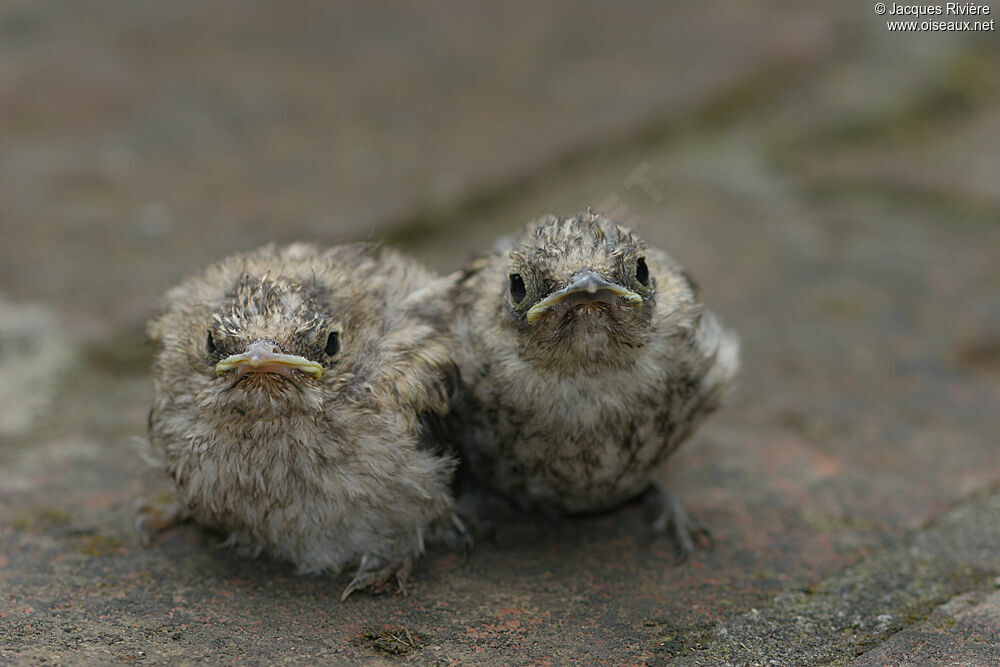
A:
(585, 287)
(264, 356)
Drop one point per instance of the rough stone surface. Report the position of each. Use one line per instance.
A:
(831, 186)
(875, 599)
(964, 631)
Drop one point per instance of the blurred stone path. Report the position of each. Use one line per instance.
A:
(833, 188)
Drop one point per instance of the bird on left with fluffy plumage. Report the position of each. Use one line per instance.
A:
(296, 393)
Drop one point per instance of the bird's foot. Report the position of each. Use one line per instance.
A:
(481, 508)
(153, 519)
(380, 575)
(672, 518)
(453, 534)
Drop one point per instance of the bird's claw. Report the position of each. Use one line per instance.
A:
(456, 536)
(376, 573)
(672, 518)
(151, 520)
(479, 507)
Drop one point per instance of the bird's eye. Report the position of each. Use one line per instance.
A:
(332, 344)
(517, 289)
(210, 344)
(642, 272)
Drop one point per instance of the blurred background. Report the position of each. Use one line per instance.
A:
(832, 185)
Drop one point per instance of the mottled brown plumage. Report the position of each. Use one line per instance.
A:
(586, 359)
(293, 392)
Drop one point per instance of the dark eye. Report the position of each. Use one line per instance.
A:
(517, 290)
(332, 344)
(642, 271)
(210, 344)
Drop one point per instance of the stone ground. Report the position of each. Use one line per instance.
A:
(832, 186)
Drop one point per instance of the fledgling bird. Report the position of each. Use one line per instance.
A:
(295, 396)
(586, 358)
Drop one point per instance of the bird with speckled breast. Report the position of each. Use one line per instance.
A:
(586, 358)
(296, 396)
